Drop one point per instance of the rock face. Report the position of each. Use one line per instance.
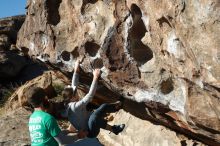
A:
(10, 62)
(9, 28)
(164, 54)
(14, 65)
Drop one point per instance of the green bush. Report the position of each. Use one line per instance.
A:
(58, 88)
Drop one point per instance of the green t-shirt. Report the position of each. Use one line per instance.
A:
(43, 127)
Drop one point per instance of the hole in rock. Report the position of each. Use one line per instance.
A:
(90, 1)
(65, 56)
(45, 56)
(140, 52)
(91, 48)
(195, 144)
(138, 29)
(162, 70)
(167, 86)
(52, 7)
(163, 20)
(85, 2)
(97, 63)
(25, 50)
(183, 143)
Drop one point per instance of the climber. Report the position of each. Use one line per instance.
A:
(78, 113)
(43, 127)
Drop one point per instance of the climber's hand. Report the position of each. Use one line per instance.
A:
(96, 73)
(76, 66)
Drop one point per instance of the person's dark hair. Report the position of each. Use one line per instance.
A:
(36, 96)
(68, 93)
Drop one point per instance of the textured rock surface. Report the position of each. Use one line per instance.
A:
(162, 53)
(132, 135)
(19, 99)
(14, 129)
(10, 62)
(140, 132)
(9, 28)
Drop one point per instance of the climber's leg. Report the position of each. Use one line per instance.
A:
(94, 124)
(97, 121)
(108, 108)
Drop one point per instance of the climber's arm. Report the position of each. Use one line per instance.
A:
(89, 96)
(75, 78)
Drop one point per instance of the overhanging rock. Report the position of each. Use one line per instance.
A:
(162, 53)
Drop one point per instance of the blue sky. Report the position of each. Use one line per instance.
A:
(12, 7)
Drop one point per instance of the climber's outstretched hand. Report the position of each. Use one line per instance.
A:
(96, 73)
(76, 66)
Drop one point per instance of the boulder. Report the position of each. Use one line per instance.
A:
(133, 115)
(11, 63)
(10, 26)
(139, 132)
(161, 53)
(19, 97)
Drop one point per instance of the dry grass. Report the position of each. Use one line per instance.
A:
(5, 93)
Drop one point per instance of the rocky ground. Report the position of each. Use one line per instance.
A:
(14, 129)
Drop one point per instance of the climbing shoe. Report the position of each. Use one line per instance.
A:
(116, 129)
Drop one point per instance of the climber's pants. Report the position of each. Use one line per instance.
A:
(97, 121)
